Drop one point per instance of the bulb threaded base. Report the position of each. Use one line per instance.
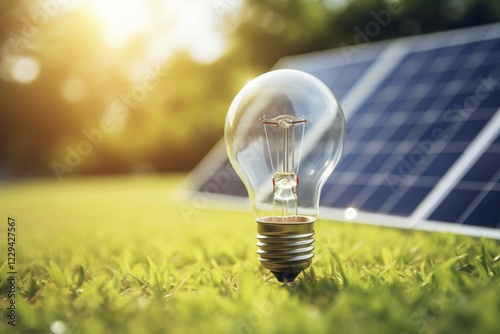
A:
(285, 245)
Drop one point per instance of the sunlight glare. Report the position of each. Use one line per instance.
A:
(193, 26)
(122, 19)
(350, 213)
(208, 49)
(196, 29)
(58, 327)
(25, 70)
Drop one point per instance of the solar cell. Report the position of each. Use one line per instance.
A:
(423, 126)
(475, 200)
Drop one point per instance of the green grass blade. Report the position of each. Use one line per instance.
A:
(81, 277)
(56, 274)
(340, 265)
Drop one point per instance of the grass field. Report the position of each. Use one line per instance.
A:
(118, 255)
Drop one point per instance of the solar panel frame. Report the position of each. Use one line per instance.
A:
(465, 51)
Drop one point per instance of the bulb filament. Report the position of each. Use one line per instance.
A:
(285, 180)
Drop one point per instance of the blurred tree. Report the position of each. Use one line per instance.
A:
(76, 101)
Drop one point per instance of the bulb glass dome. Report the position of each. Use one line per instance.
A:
(284, 135)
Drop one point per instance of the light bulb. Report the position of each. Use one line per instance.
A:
(284, 134)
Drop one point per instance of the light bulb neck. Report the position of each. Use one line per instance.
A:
(285, 245)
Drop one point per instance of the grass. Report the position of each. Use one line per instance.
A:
(119, 255)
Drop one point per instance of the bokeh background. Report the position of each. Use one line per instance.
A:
(136, 86)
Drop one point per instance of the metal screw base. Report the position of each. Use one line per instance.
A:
(285, 245)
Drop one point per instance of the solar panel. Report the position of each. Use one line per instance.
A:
(475, 199)
(423, 126)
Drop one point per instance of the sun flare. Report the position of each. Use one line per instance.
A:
(193, 26)
(121, 19)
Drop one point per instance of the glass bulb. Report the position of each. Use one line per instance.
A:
(284, 134)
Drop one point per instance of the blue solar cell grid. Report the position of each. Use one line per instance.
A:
(340, 79)
(414, 126)
(475, 200)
